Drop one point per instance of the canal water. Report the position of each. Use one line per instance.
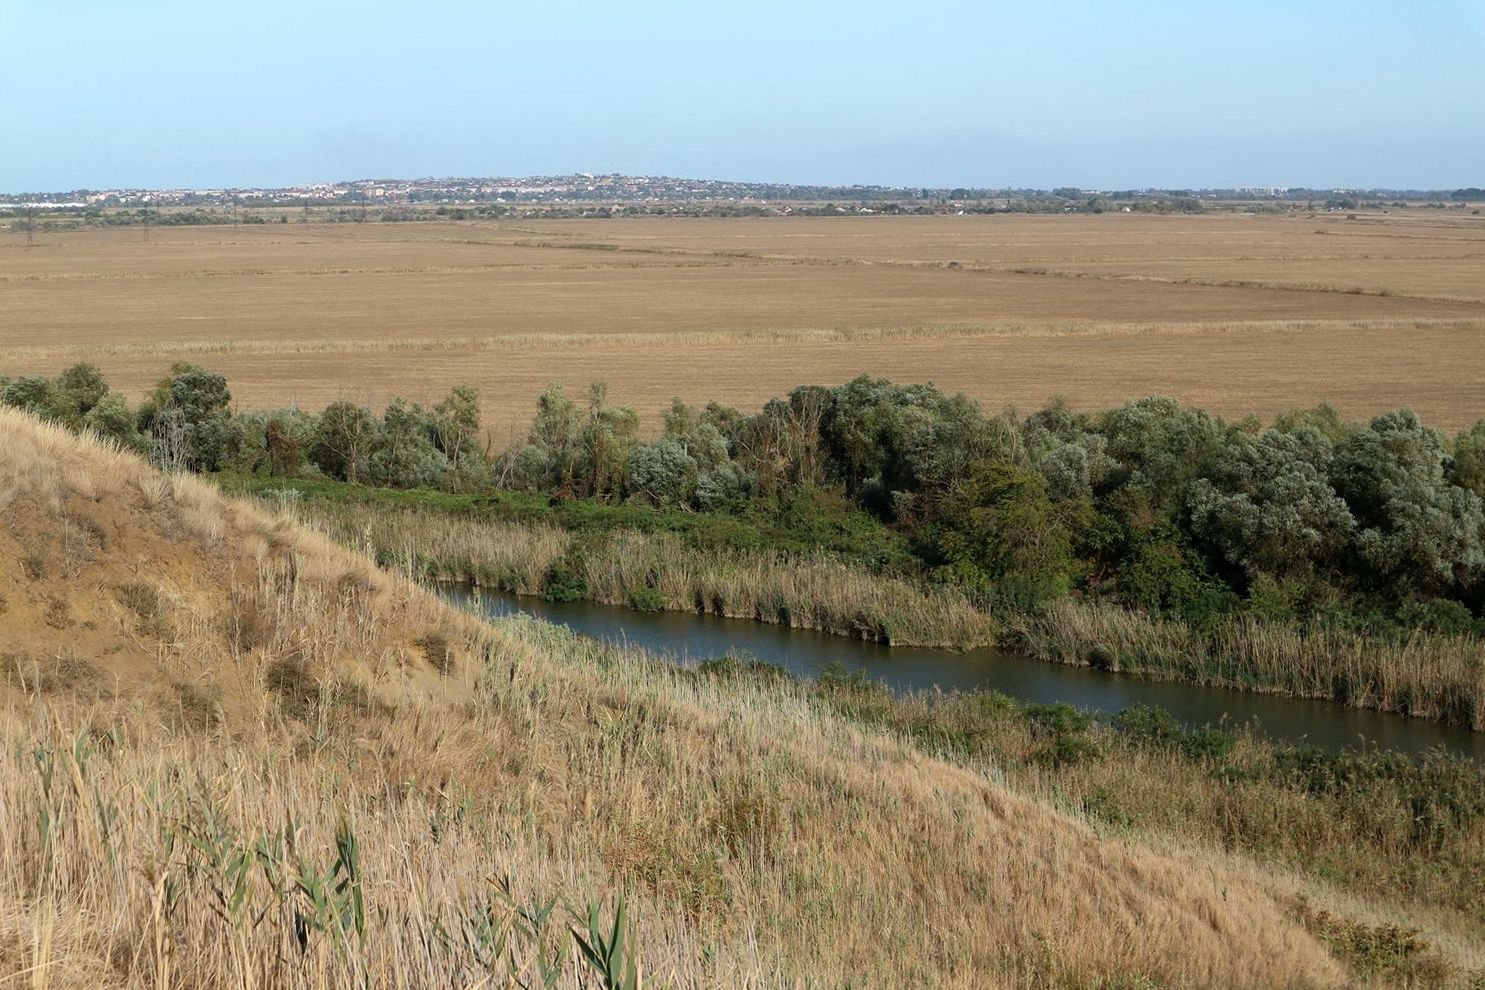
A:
(686, 636)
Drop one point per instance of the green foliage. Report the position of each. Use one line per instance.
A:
(1065, 729)
(1267, 507)
(112, 419)
(1438, 615)
(647, 600)
(999, 531)
(1417, 532)
(1152, 505)
(1162, 446)
(1059, 719)
(188, 421)
(1467, 466)
(274, 442)
(1164, 576)
(1376, 951)
(1158, 728)
(343, 440)
(726, 488)
(663, 473)
(1441, 795)
(456, 433)
(75, 393)
(573, 452)
(30, 394)
(564, 582)
(608, 949)
(402, 453)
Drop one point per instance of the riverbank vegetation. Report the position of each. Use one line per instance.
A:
(1311, 556)
(654, 571)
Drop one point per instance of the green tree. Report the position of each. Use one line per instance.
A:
(662, 472)
(1467, 467)
(188, 421)
(112, 419)
(31, 394)
(402, 453)
(1417, 532)
(456, 424)
(342, 442)
(75, 392)
(606, 436)
(999, 531)
(1268, 508)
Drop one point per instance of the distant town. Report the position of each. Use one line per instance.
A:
(583, 187)
(584, 194)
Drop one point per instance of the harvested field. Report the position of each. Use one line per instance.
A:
(1242, 314)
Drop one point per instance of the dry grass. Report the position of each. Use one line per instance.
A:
(659, 572)
(157, 581)
(346, 814)
(1429, 676)
(1238, 314)
(1404, 841)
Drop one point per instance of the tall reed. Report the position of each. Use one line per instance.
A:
(659, 572)
(1425, 675)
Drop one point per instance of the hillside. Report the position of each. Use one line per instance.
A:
(122, 582)
(237, 755)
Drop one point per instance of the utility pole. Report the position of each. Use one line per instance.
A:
(30, 228)
(146, 221)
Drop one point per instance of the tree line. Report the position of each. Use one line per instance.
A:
(1155, 505)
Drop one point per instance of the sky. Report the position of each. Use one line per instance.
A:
(1188, 94)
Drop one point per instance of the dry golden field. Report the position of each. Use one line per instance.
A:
(1242, 314)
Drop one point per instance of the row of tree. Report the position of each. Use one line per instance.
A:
(1154, 504)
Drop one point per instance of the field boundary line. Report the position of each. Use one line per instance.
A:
(806, 335)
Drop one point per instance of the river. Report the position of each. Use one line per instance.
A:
(686, 636)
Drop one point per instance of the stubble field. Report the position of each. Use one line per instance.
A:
(1240, 314)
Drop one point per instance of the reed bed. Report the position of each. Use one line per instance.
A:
(658, 572)
(1423, 675)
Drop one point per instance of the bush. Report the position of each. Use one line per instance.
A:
(1058, 720)
(1152, 726)
(647, 600)
(564, 582)
(1067, 751)
(663, 472)
(1437, 615)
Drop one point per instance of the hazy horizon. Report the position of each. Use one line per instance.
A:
(159, 94)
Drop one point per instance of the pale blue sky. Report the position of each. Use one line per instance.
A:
(1264, 92)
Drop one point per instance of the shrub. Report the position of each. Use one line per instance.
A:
(647, 600)
(564, 582)
(1157, 727)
